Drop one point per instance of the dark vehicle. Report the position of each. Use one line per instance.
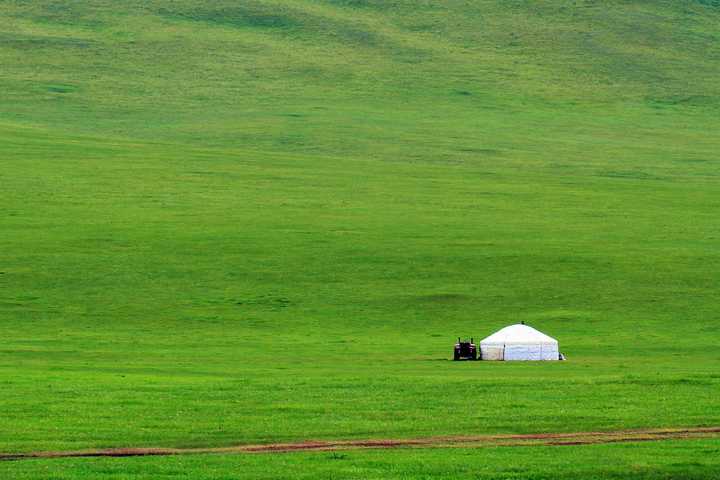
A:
(465, 350)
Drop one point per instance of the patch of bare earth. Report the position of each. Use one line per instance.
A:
(475, 441)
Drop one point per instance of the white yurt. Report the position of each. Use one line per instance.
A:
(519, 342)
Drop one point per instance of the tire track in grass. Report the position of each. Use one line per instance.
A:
(473, 441)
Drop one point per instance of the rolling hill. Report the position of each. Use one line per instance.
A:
(237, 222)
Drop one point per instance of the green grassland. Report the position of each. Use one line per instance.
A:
(233, 222)
(650, 461)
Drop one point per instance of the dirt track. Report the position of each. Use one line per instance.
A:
(556, 439)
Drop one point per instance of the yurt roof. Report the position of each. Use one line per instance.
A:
(517, 334)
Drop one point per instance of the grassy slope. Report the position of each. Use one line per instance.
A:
(231, 222)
